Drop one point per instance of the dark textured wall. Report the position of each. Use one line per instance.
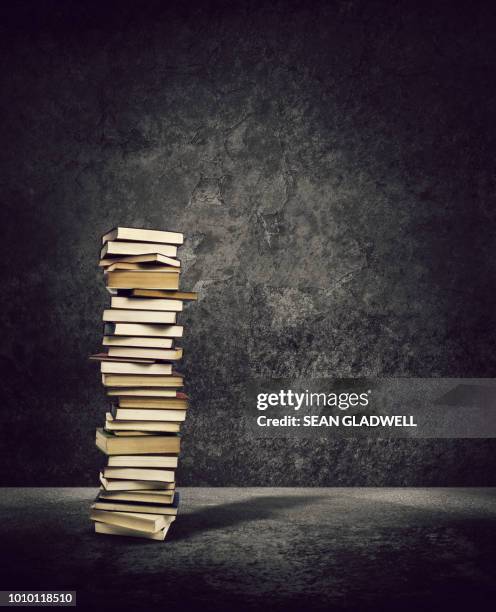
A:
(333, 165)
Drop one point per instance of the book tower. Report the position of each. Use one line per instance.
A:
(140, 438)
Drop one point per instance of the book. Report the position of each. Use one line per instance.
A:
(148, 258)
(121, 247)
(136, 445)
(137, 267)
(125, 367)
(141, 380)
(130, 432)
(142, 392)
(109, 484)
(154, 293)
(143, 329)
(151, 403)
(142, 414)
(118, 359)
(133, 279)
(115, 506)
(139, 342)
(144, 461)
(147, 304)
(143, 235)
(146, 497)
(131, 473)
(138, 316)
(106, 529)
(144, 354)
(150, 523)
(141, 427)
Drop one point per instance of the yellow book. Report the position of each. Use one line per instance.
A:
(133, 279)
(136, 380)
(136, 445)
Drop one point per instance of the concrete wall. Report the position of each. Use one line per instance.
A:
(332, 165)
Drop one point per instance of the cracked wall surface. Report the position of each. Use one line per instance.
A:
(333, 168)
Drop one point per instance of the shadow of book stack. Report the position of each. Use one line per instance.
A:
(141, 436)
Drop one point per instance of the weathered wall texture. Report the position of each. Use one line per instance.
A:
(333, 167)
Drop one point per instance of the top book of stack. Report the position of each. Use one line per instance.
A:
(143, 235)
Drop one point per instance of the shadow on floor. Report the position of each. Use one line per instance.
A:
(233, 514)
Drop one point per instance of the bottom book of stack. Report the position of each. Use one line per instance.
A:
(154, 529)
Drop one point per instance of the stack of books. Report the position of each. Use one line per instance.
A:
(141, 436)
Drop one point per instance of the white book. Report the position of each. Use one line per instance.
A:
(137, 248)
(138, 316)
(143, 461)
(142, 392)
(129, 473)
(154, 414)
(141, 426)
(143, 235)
(124, 367)
(144, 329)
(135, 341)
(110, 484)
(131, 533)
(147, 303)
(151, 523)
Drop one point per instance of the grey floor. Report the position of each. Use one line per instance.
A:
(340, 549)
